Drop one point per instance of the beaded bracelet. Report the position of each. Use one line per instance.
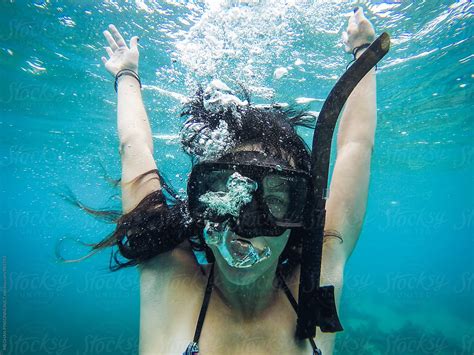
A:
(126, 72)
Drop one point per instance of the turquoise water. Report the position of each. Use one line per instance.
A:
(409, 286)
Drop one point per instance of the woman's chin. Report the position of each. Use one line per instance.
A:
(243, 261)
(242, 275)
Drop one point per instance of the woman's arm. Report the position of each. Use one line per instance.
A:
(136, 144)
(347, 201)
(345, 208)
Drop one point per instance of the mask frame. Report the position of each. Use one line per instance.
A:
(257, 218)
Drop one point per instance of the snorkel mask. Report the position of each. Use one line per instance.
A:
(247, 195)
(255, 194)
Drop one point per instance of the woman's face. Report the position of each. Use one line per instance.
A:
(244, 260)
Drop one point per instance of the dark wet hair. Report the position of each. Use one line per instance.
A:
(270, 125)
(160, 222)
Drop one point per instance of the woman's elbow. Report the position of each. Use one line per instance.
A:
(133, 142)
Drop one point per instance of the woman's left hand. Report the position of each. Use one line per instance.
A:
(359, 31)
(120, 56)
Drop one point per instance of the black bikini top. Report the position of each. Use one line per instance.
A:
(193, 347)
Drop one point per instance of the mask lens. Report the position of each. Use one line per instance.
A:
(285, 197)
(218, 193)
(217, 180)
(205, 181)
(276, 194)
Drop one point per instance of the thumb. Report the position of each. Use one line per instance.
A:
(134, 41)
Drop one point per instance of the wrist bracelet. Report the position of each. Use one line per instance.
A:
(126, 72)
(357, 49)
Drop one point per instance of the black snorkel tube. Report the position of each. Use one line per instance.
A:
(316, 304)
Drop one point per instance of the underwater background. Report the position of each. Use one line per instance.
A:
(409, 285)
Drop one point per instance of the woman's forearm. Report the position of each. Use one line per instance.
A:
(132, 119)
(359, 119)
(347, 201)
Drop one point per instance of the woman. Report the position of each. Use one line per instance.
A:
(237, 148)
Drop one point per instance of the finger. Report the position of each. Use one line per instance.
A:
(133, 42)
(345, 37)
(118, 37)
(359, 15)
(345, 41)
(352, 19)
(104, 60)
(111, 40)
(109, 51)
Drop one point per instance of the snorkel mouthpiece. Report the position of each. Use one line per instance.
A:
(237, 252)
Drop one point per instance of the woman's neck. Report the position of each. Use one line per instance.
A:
(247, 301)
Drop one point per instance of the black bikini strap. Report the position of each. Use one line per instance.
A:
(292, 300)
(207, 296)
(205, 303)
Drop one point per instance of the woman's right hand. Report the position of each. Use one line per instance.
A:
(120, 56)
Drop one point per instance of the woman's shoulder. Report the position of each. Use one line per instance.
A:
(181, 257)
(172, 266)
(171, 289)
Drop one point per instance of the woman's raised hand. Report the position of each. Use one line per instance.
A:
(359, 31)
(120, 56)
